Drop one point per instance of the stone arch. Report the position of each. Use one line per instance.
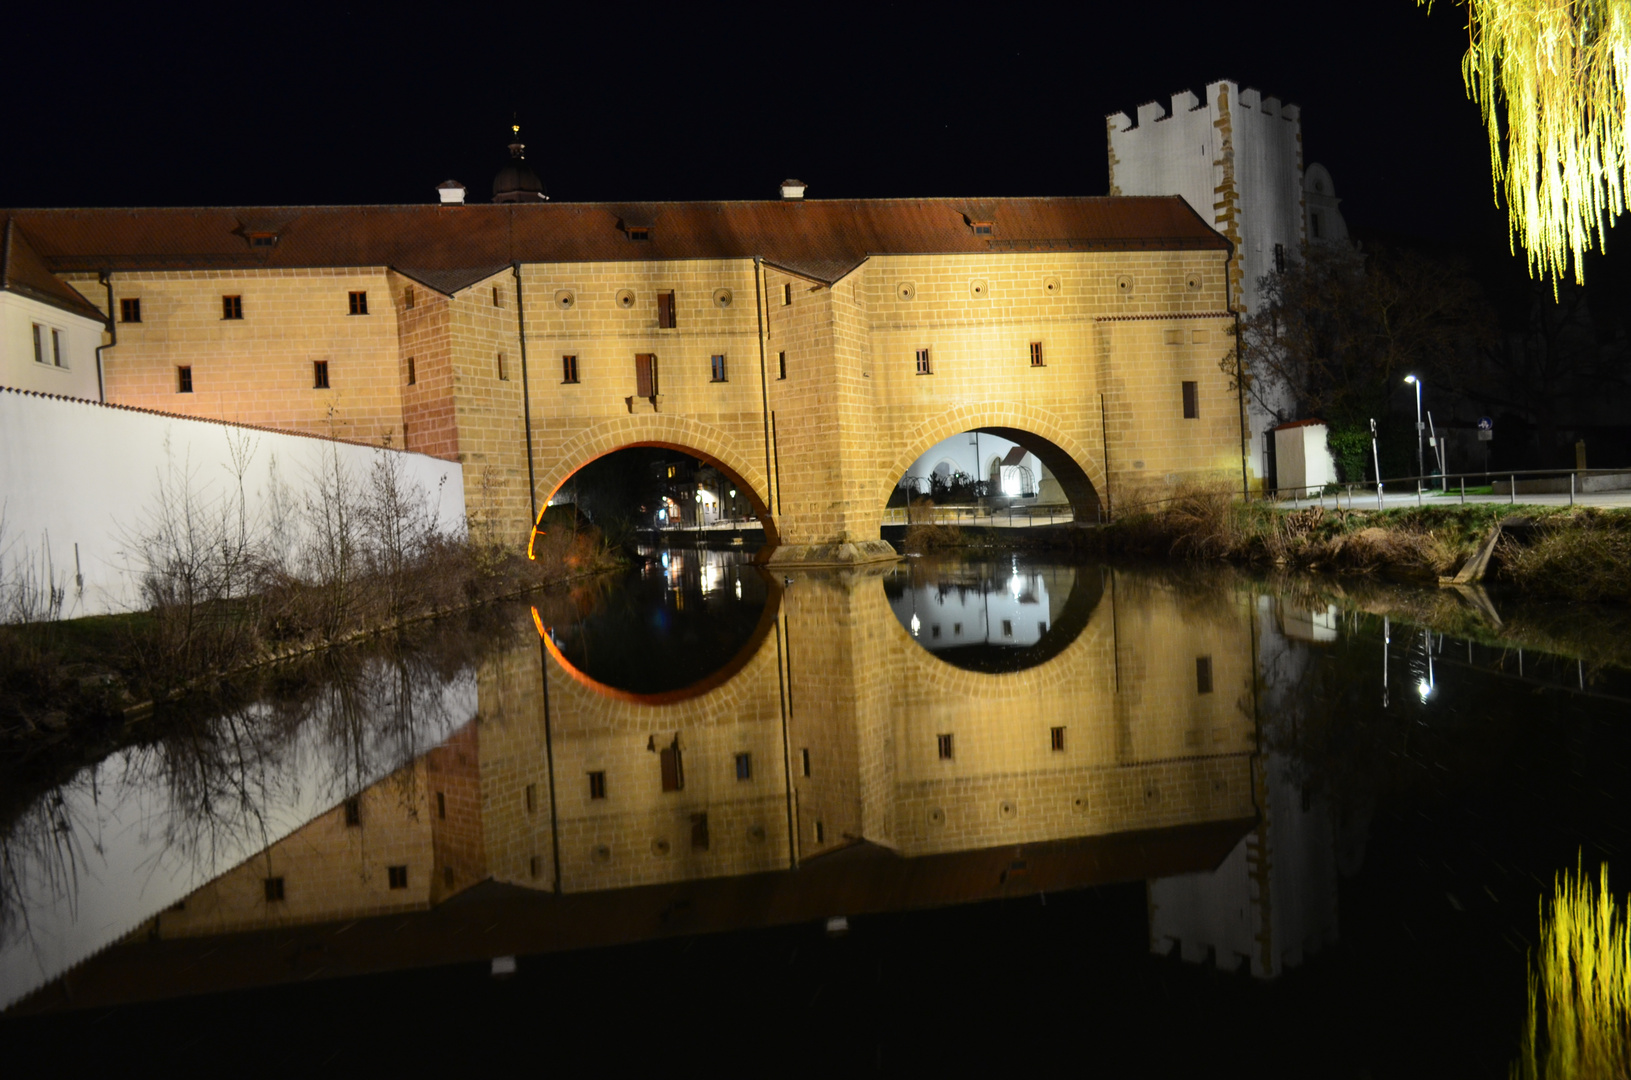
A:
(1080, 475)
(666, 430)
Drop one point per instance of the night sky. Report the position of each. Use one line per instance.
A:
(260, 104)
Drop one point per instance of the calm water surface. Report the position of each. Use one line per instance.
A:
(1136, 820)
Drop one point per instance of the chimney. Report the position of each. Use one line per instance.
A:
(792, 189)
(452, 192)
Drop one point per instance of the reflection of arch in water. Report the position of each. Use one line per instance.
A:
(717, 678)
(934, 578)
(1081, 476)
(680, 433)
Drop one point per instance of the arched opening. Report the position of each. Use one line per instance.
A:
(993, 615)
(999, 469)
(659, 487)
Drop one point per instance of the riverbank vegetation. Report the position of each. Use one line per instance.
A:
(221, 592)
(1569, 553)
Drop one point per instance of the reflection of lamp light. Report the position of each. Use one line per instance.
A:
(1425, 689)
(916, 625)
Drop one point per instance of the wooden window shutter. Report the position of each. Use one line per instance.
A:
(645, 375)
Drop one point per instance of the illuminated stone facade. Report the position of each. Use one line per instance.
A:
(853, 336)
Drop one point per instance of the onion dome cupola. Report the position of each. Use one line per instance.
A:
(516, 182)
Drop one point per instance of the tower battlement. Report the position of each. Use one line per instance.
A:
(1186, 101)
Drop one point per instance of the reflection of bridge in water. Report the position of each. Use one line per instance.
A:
(842, 769)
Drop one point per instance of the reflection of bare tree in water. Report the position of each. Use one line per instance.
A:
(226, 780)
(40, 853)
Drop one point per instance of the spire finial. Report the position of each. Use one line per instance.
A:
(517, 147)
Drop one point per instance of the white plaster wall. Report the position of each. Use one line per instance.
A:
(77, 378)
(86, 474)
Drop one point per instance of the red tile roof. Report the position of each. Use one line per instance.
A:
(23, 272)
(457, 245)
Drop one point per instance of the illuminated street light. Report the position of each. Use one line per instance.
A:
(1413, 381)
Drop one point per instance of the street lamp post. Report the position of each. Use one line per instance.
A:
(1413, 381)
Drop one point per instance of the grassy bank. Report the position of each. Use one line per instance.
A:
(1569, 553)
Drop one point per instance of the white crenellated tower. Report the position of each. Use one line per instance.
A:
(1236, 157)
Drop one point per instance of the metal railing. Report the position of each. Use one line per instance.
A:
(999, 517)
(1572, 482)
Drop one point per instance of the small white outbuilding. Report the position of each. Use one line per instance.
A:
(1302, 459)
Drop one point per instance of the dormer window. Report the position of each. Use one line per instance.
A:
(639, 232)
(981, 228)
(262, 239)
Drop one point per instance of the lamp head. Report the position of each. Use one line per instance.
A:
(1410, 379)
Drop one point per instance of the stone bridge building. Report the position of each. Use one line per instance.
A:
(809, 349)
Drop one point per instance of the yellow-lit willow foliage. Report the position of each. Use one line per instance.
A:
(1579, 1023)
(1560, 71)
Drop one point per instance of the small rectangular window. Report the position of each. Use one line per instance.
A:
(353, 813)
(673, 767)
(981, 228)
(498, 297)
(639, 232)
(1314, 225)
(666, 316)
(787, 295)
(923, 362)
(408, 297)
(359, 303)
(531, 796)
(943, 744)
(744, 766)
(934, 631)
(59, 353)
(597, 785)
(699, 832)
(1279, 258)
(232, 307)
(717, 366)
(956, 629)
(781, 365)
(503, 369)
(398, 876)
(534, 865)
(1057, 738)
(130, 310)
(274, 889)
(804, 760)
(1036, 354)
(319, 374)
(1192, 403)
(39, 344)
(820, 833)
(441, 805)
(569, 369)
(413, 376)
(1007, 628)
(1203, 674)
(184, 379)
(262, 240)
